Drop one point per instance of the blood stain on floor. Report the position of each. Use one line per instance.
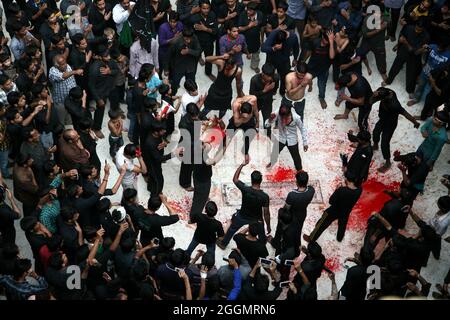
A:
(182, 207)
(279, 174)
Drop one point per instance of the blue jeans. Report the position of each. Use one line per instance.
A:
(322, 79)
(194, 243)
(423, 87)
(237, 222)
(4, 163)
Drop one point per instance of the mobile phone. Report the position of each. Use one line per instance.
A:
(226, 259)
(178, 269)
(288, 262)
(155, 241)
(285, 284)
(265, 262)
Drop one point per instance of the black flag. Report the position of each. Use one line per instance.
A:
(141, 22)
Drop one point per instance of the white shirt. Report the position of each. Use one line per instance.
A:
(139, 56)
(440, 223)
(120, 15)
(186, 98)
(287, 134)
(130, 177)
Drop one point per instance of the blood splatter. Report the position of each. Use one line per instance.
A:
(333, 263)
(372, 199)
(279, 174)
(182, 207)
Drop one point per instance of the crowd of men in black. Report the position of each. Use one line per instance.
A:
(120, 249)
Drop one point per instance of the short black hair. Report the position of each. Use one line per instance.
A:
(114, 114)
(301, 67)
(3, 79)
(253, 229)
(211, 208)
(77, 38)
(246, 107)
(20, 267)
(188, 32)
(256, 177)
(76, 93)
(268, 69)
(129, 194)
(344, 80)
(302, 178)
(173, 15)
(154, 203)
(192, 109)
(67, 213)
(284, 215)
(190, 85)
(13, 97)
(130, 150)
(85, 123)
(229, 25)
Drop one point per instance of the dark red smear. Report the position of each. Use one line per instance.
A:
(333, 263)
(279, 174)
(372, 199)
(182, 207)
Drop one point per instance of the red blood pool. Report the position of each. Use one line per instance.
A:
(333, 263)
(279, 174)
(182, 207)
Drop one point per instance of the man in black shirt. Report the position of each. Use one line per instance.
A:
(75, 104)
(205, 26)
(410, 49)
(395, 211)
(264, 86)
(297, 201)
(255, 205)
(7, 216)
(102, 74)
(153, 155)
(355, 285)
(151, 223)
(208, 229)
(319, 64)
(100, 16)
(249, 245)
(183, 54)
(359, 163)
(250, 23)
(342, 202)
(360, 94)
(388, 112)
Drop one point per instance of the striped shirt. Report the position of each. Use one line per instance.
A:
(61, 86)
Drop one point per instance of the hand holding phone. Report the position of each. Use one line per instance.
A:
(265, 263)
(285, 284)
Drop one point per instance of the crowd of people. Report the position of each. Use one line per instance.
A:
(71, 69)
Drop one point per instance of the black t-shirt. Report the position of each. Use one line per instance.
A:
(392, 212)
(249, 292)
(151, 225)
(299, 201)
(320, 60)
(343, 200)
(169, 280)
(416, 40)
(253, 201)
(251, 250)
(389, 111)
(312, 267)
(202, 172)
(208, 229)
(359, 162)
(354, 288)
(361, 88)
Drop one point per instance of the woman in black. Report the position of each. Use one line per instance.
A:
(220, 93)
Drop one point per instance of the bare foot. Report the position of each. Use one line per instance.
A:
(307, 238)
(323, 103)
(99, 134)
(201, 61)
(412, 102)
(189, 189)
(340, 116)
(269, 165)
(369, 71)
(385, 167)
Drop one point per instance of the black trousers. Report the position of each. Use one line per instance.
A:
(325, 222)
(432, 102)
(175, 79)
(98, 115)
(413, 67)
(385, 132)
(293, 150)
(363, 115)
(155, 182)
(395, 16)
(201, 196)
(266, 111)
(283, 69)
(298, 106)
(208, 49)
(116, 96)
(185, 175)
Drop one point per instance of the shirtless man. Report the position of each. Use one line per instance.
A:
(296, 83)
(245, 117)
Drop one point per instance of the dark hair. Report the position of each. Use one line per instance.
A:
(246, 107)
(140, 270)
(149, 103)
(130, 150)
(54, 39)
(37, 89)
(190, 85)
(268, 69)
(114, 114)
(76, 93)
(26, 133)
(284, 215)
(13, 97)
(253, 229)
(192, 109)
(20, 267)
(31, 50)
(154, 203)
(173, 15)
(103, 205)
(208, 260)
(28, 223)
(188, 32)
(3, 79)
(67, 213)
(314, 249)
(48, 166)
(344, 80)
(179, 258)
(204, 2)
(301, 67)
(350, 176)
(302, 178)
(229, 25)
(129, 194)
(234, 254)
(147, 68)
(13, 9)
(163, 89)
(167, 243)
(444, 203)
(77, 38)
(85, 123)
(211, 209)
(10, 250)
(11, 113)
(127, 244)
(282, 5)
(143, 75)
(256, 177)
(285, 110)
(16, 26)
(157, 126)
(280, 37)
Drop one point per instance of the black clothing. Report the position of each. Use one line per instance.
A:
(151, 225)
(251, 250)
(253, 202)
(299, 201)
(359, 163)
(208, 229)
